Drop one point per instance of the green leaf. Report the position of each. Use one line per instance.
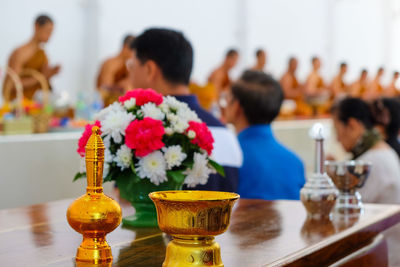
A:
(217, 167)
(177, 176)
(79, 175)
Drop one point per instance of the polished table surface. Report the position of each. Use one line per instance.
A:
(261, 233)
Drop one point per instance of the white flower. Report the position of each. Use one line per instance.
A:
(180, 126)
(114, 125)
(191, 134)
(106, 170)
(164, 107)
(200, 171)
(131, 103)
(174, 156)
(173, 103)
(115, 107)
(186, 114)
(108, 157)
(123, 157)
(153, 167)
(169, 131)
(152, 111)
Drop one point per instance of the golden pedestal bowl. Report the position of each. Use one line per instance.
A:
(193, 218)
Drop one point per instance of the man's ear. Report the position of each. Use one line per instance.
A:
(152, 71)
(238, 110)
(354, 125)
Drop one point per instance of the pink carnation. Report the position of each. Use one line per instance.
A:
(142, 96)
(204, 138)
(144, 136)
(85, 137)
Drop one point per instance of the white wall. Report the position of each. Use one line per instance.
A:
(365, 33)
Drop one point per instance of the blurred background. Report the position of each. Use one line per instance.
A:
(364, 33)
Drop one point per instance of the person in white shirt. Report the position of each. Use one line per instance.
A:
(354, 124)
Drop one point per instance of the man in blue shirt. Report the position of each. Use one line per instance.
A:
(162, 60)
(269, 171)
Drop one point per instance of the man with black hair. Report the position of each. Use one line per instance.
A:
(220, 76)
(31, 55)
(163, 59)
(269, 171)
(113, 79)
(261, 60)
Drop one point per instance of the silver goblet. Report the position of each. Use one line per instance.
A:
(348, 176)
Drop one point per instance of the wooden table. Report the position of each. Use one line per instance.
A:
(261, 233)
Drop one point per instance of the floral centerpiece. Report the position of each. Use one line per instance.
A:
(153, 143)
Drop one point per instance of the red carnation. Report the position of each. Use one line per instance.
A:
(85, 137)
(142, 96)
(144, 136)
(204, 138)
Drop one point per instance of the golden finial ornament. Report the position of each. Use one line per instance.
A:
(94, 214)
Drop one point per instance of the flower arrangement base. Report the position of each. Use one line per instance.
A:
(145, 216)
(137, 193)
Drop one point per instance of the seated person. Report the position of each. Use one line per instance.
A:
(386, 112)
(354, 123)
(162, 60)
(360, 87)
(392, 90)
(32, 56)
(261, 60)
(270, 171)
(113, 79)
(339, 87)
(354, 126)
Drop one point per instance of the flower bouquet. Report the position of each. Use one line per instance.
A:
(153, 143)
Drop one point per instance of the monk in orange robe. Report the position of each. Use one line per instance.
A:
(339, 87)
(261, 60)
(359, 87)
(113, 79)
(375, 88)
(316, 91)
(292, 89)
(392, 90)
(31, 55)
(290, 85)
(219, 78)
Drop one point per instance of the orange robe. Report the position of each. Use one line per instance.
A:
(112, 95)
(37, 62)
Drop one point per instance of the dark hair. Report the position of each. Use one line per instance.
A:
(386, 112)
(231, 52)
(314, 58)
(259, 51)
(343, 64)
(42, 20)
(169, 49)
(395, 73)
(380, 69)
(353, 108)
(364, 71)
(291, 59)
(128, 39)
(259, 95)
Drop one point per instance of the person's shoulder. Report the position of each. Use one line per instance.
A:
(21, 53)
(208, 118)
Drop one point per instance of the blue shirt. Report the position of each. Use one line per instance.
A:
(223, 139)
(270, 171)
